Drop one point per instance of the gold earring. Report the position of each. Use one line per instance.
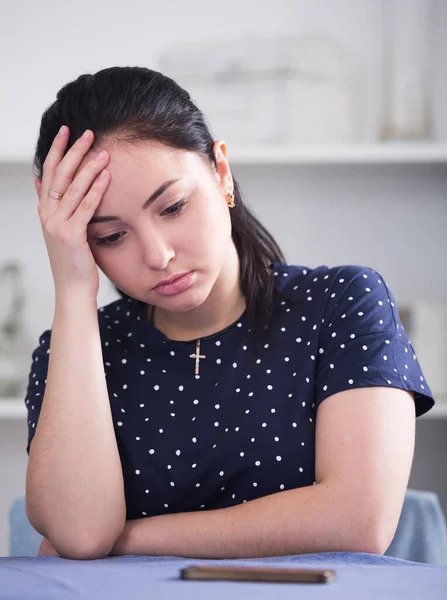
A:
(231, 203)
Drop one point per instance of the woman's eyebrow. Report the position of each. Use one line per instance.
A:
(158, 192)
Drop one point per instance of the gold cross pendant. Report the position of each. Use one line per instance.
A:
(197, 356)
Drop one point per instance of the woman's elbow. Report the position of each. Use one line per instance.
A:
(82, 548)
(374, 540)
(81, 552)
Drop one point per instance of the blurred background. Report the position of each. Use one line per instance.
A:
(334, 112)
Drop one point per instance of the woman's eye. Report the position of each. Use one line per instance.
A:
(176, 208)
(109, 241)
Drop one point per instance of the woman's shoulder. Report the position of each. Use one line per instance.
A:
(297, 281)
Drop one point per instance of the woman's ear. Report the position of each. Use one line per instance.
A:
(223, 168)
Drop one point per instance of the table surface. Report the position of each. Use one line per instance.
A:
(358, 576)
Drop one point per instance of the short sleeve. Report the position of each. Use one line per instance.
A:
(362, 340)
(36, 383)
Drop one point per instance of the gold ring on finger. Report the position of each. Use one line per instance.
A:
(55, 195)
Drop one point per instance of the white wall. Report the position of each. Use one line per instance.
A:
(387, 217)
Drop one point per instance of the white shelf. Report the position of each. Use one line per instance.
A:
(372, 154)
(335, 154)
(16, 409)
(12, 408)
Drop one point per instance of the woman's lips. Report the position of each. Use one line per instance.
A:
(178, 285)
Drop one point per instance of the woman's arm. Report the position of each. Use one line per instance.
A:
(364, 451)
(74, 481)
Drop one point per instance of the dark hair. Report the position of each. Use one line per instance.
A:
(132, 104)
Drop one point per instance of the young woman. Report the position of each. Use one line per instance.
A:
(228, 404)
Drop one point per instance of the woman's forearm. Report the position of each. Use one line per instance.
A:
(74, 481)
(304, 520)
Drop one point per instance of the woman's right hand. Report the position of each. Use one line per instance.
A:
(64, 222)
(46, 549)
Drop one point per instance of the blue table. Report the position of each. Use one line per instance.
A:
(358, 576)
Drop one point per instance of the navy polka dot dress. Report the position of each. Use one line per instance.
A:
(245, 426)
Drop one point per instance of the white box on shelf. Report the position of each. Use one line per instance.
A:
(297, 89)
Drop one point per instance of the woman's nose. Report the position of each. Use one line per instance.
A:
(157, 252)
